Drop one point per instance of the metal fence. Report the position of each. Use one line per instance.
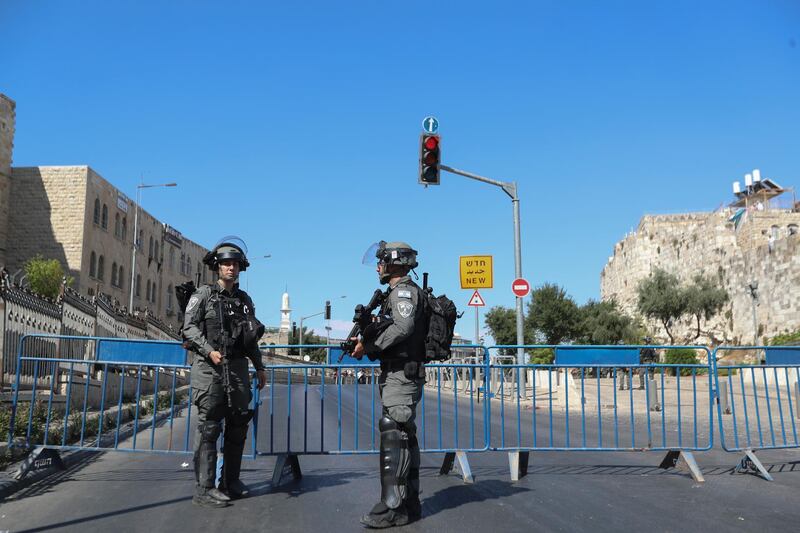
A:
(759, 404)
(130, 395)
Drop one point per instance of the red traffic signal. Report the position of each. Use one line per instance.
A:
(429, 159)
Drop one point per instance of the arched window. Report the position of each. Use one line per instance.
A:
(138, 285)
(124, 228)
(93, 265)
(183, 263)
(147, 294)
(150, 249)
(172, 259)
(114, 274)
(169, 298)
(121, 278)
(104, 220)
(153, 293)
(189, 266)
(97, 210)
(101, 267)
(156, 255)
(117, 225)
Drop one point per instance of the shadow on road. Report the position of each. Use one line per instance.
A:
(308, 483)
(100, 516)
(458, 495)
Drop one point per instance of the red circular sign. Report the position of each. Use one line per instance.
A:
(520, 287)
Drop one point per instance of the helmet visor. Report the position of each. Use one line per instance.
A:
(370, 257)
(233, 240)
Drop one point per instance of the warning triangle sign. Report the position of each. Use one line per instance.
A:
(476, 300)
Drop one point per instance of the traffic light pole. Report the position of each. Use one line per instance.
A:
(510, 188)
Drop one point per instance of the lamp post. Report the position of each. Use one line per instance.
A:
(247, 285)
(136, 235)
(753, 286)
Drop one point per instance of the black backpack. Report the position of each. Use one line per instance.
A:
(441, 315)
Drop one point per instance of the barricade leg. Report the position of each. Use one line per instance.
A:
(751, 465)
(683, 459)
(285, 464)
(518, 464)
(40, 459)
(463, 465)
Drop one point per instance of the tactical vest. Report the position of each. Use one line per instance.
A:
(413, 348)
(237, 316)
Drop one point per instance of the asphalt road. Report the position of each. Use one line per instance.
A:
(564, 491)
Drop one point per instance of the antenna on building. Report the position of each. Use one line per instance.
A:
(748, 180)
(756, 175)
(737, 187)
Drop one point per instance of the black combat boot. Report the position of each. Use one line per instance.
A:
(235, 436)
(210, 497)
(381, 517)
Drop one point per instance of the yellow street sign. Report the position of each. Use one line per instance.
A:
(476, 271)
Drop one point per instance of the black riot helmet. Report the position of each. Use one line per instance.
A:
(230, 248)
(395, 253)
(392, 253)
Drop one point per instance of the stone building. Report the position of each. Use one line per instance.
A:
(74, 215)
(754, 240)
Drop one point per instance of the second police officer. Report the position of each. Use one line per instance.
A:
(399, 342)
(220, 324)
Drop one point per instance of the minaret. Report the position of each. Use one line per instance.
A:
(286, 314)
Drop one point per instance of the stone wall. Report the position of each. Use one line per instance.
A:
(23, 312)
(7, 127)
(47, 216)
(708, 243)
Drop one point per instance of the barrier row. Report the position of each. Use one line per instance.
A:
(132, 395)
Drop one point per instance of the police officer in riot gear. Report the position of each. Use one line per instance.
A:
(397, 339)
(220, 323)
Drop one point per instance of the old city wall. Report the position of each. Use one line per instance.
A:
(707, 243)
(35, 227)
(7, 127)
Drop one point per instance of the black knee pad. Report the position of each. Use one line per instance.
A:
(395, 462)
(210, 431)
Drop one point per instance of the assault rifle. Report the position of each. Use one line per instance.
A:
(361, 319)
(226, 369)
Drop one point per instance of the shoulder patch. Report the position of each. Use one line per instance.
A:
(405, 309)
(192, 303)
(404, 294)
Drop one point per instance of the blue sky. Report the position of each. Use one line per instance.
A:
(295, 125)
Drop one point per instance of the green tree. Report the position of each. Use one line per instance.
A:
(502, 324)
(317, 355)
(604, 323)
(705, 298)
(45, 276)
(660, 297)
(553, 315)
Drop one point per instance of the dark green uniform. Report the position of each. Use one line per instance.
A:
(401, 350)
(204, 331)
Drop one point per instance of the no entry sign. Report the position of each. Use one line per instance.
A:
(520, 287)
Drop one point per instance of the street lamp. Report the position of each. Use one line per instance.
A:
(247, 285)
(136, 234)
(302, 318)
(753, 286)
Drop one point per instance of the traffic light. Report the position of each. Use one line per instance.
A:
(294, 330)
(429, 159)
(327, 309)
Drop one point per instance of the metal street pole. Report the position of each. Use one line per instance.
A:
(510, 189)
(136, 234)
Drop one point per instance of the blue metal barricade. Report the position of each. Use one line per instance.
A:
(576, 402)
(118, 394)
(757, 405)
(303, 399)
